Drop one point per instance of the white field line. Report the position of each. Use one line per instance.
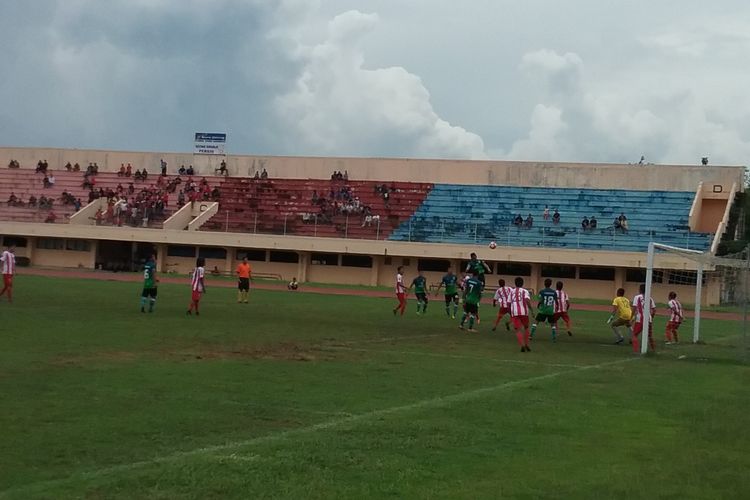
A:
(436, 402)
(453, 356)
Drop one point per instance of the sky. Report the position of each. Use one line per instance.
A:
(579, 80)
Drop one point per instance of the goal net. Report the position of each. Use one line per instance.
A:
(712, 293)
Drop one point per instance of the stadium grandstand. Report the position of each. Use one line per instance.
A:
(354, 220)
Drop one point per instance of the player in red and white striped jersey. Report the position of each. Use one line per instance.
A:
(638, 307)
(520, 309)
(197, 285)
(675, 318)
(561, 307)
(8, 261)
(502, 301)
(400, 292)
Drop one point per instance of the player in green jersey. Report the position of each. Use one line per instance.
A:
(546, 309)
(450, 281)
(472, 296)
(149, 285)
(477, 265)
(420, 290)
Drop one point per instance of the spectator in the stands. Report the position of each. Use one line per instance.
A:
(346, 175)
(585, 223)
(529, 222)
(518, 220)
(12, 199)
(32, 201)
(77, 204)
(545, 214)
(256, 176)
(51, 179)
(14, 164)
(46, 182)
(45, 203)
(593, 222)
(163, 167)
(68, 167)
(182, 170)
(215, 194)
(41, 166)
(76, 167)
(137, 175)
(181, 198)
(293, 285)
(121, 172)
(144, 174)
(51, 217)
(617, 224)
(223, 168)
(623, 221)
(190, 170)
(264, 174)
(556, 217)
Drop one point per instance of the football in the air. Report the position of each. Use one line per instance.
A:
(493, 245)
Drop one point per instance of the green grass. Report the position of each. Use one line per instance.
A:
(310, 396)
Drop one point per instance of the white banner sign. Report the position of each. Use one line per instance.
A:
(210, 144)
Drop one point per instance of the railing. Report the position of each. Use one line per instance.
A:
(547, 234)
(442, 230)
(353, 226)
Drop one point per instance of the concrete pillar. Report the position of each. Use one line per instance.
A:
(535, 280)
(94, 245)
(30, 246)
(302, 266)
(229, 264)
(620, 277)
(375, 271)
(456, 265)
(161, 256)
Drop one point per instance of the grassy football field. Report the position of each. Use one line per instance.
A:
(300, 395)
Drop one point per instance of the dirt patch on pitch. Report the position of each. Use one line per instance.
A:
(285, 351)
(97, 357)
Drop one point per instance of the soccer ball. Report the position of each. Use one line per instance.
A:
(493, 245)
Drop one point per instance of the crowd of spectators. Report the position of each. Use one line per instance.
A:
(338, 200)
(620, 223)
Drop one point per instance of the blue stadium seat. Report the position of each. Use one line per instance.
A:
(479, 214)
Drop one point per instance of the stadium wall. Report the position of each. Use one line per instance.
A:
(506, 173)
(63, 245)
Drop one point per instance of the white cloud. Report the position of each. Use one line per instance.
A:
(338, 106)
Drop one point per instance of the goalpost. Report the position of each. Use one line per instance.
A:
(700, 277)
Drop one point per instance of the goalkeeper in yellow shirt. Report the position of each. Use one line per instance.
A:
(622, 315)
